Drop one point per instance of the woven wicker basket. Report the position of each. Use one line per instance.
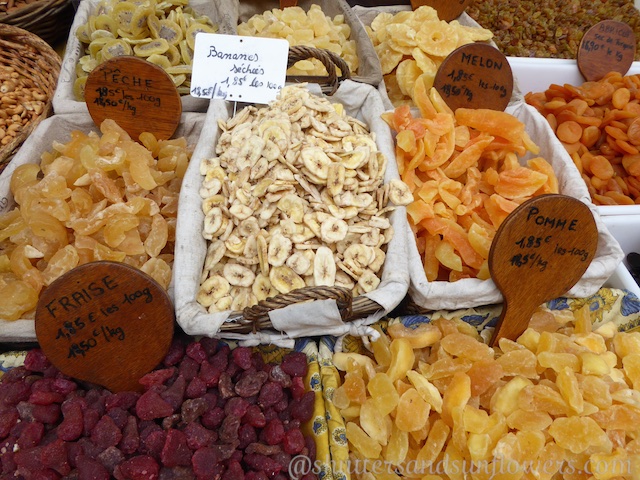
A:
(49, 19)
(34, 60)
(256, 318)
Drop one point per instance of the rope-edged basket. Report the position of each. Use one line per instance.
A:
(256, 318)
(48, 19)
(330, 60)
(37, 65)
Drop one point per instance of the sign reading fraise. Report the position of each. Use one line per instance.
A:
(238, 68)
(105, 322)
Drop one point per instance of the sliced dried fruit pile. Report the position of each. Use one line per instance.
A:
(599, 125)
(560, 402)
(412, 44)
(163, 33)
(295, 198)
(464, 172)
(310, 28)
(93, 198)
(207, 412)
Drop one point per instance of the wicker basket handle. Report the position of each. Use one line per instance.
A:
(258, 315)
(329, 59)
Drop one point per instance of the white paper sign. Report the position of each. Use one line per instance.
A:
(238, 68)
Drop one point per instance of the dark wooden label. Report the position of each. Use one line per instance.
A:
(105, 322)
(608, 46)
(476, 75)
(447, 9)
(539, 252)
(138, 95)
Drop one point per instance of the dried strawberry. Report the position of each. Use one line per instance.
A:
(151, 405)
(175, 452)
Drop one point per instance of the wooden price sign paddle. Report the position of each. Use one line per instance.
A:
(608, 46)
(105, 322)
(138, 95)
(447, 9)
(539, 252)
(476, 75)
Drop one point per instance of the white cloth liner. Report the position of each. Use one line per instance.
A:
(369, 66)
(64, 101)
(58, 129)
(361, 101)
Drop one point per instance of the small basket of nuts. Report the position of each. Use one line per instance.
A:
(29, 70)
(291, 220)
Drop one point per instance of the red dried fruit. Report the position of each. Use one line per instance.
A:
(72, 425)
(189, 368)
(153, 443)
(297, 388)
(175, 353)
(210, 345)
(196, 351)
(141, 467)
(270, 394)
(273, 433)
(254, 417)
(246, 435)
(225, 386)
(64, 386)
(205, 459)
(303, 409)
(45, 398)
(119, 416)
(196, 388)
(36, 360)
(106, 433)
(210, 373)
(174, 395)
(250, 383)
(176, 452)
(234, 472)
(192, 409)
(198, 436)
(54, 456)
(262, 463)
(151, 405)
(242, 357)
(125, 400)
(31, 435)
(293, 442)
(14, 393)
(89, 469)
(130, 436)
(228, 432)
(157, 377)
(89, 419)
(236, 406)
(279, 376)
(111, 458)
(295, 364)
(46, 413)
(7, 420)
(213, 418)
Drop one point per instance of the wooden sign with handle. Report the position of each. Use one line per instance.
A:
(476, 75)
(137, 94)
(539, 252)
(106, 323)
(608, 46)
(447, 9)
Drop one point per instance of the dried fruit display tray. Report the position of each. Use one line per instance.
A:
(473, 292)
(369, 67)
(537, 74)
(209, 408)
(57, 129)
(65, 101)
(305, 319)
